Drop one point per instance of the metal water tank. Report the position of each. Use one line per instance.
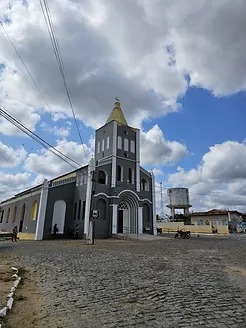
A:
(178, 197)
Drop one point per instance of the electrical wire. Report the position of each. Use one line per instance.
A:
(34, 136)
(58, 56)
(28, 71)
(4, 113)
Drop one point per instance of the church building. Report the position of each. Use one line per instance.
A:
(113, 190)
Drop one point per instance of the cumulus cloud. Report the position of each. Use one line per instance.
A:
(156, 149)
(136, 50)
(48, 165)
(220, 179)
(141, 52)
(56, 130)
(11, 184)
(10, 157)
(157, 172)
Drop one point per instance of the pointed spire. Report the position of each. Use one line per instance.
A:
(117, 114)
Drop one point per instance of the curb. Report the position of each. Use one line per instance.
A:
(10, 296)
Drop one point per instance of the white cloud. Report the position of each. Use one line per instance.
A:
(48, 165)
(59, 131)
(157, 172)
(156, 150)
(220, 179)
(137, 50)
(11, 184)
(10, 157)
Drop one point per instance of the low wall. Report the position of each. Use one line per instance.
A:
(26, 236)
(222, 229)
(174, 226)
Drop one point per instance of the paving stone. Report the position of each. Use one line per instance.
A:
(163, 283)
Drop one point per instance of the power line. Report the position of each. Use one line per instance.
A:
(57, 52)
(21, 59)
(4, 113)
(34, 136)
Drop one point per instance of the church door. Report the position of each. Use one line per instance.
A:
(120, 221)
(123, 218)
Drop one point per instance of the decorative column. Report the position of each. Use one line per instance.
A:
(91, 168)
(41, 211)
(114, 153)
(140, 220)
(153, 204)
(138, 160)
(114, 218)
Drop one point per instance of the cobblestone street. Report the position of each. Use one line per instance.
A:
(116, 283)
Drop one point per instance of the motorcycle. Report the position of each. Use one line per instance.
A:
(182, 234)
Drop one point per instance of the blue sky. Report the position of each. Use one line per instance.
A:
(180, 75)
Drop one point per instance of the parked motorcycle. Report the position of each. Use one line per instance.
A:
(182, 234)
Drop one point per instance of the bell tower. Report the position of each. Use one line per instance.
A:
(117, 151)
(124, 191)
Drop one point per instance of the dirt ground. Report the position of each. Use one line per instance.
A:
(27, 301)
(6, 282)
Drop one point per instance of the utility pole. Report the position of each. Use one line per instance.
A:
(162, 201)
(92, 205)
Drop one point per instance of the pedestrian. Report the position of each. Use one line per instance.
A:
(14, 233)
(76, 232)
(55, 229)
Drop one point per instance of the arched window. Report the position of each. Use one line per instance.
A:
(107, 143)
(1, 215)
(101, 178)
(75, 211)
(103, 144)
(79, 209)
(130, 175)
(145, 185)
(119, 142)
(83, 211)
(126, 144)
(132, 146)
(14, 214)
(22, 217)
(34, 211)
(146, 215)
(98, 147)
(8, 215)
(119, 173)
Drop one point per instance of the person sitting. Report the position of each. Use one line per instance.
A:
(55, 229)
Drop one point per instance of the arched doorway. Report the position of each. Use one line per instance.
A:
(147, 224)
(123, 218)
(59, 213)
(23, 210)
(128, 213)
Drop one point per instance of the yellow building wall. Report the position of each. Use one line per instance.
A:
(222, 229)
(174, 226)
(215, 221)
(26, 236)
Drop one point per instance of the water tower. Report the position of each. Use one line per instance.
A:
(178, 199)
